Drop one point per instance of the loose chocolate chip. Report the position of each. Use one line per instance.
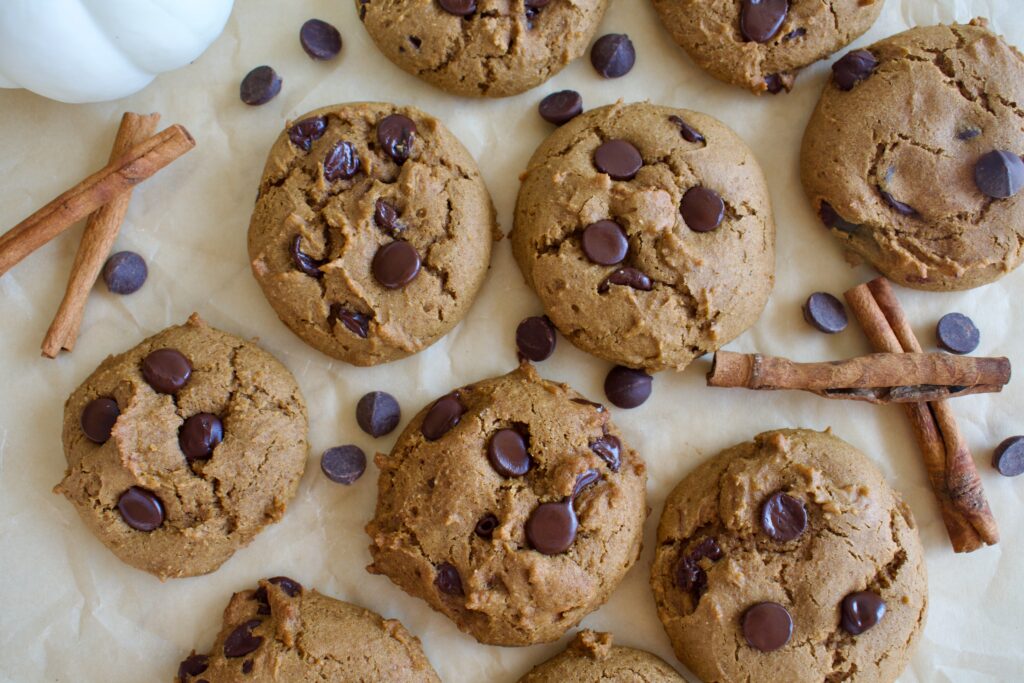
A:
(560, 107)
(626, 387)
(199, 435)
(385, 217)
(343, 464)
(166, 370)
(291, 587)
(861, 611)
(957, 333)
(396, 133)
(535, 338)
(507, 453)
(303, 261)
(798, 32)
(486, 526)
(898, 206)
(241, 641)
(193, 665)
(551, 527)
(630, 277)
(613, 55)
(852, 68)
(999, 174)
(141, 509)
(702, 209)
(604, 243)
(442, 416)
(448, 580)
(342, 162)
(968, 133)
(355, 322)
(619, 159)
(832, 219)
(378, 413)
(247, 666)
(259, 86)
(125, 272)
(767, 626)
(609, 449)
(689, 133)
(319, 39)
(1009, 457)
(98, 418)
(783, 517)
(762, 19)
(396, 264)
(825, 313)
(460, 8)
(307, 131)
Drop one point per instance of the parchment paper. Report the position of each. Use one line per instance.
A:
(70, 611)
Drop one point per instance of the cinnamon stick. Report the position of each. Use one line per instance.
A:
(100, 232)
(138, 163)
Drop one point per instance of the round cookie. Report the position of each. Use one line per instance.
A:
(510, 505)
(284, 633)
(482, 48)
(183, 448)
(647, 233)
(890, 156)
(762, 46)
(591, 657)
(775, 559)
(372, 231)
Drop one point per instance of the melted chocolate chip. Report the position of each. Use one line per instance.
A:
(320, 40)
(619, 159)
(342, 162)
(343, 464)
(303, 261)
(831, 219)
(193, 665)
(141, 509)
(957, 333)
(396, 264)
(460, 8)
(604, 243)
(798, 32)
(760, 20)
(166, 370)
(613, 55)
(629, 277)
(825, 313)
(199, 435)
(535, 338)
(259, 86)
(690, 576)
(551, 527)
(767, 626)
(853, 68)
(508, 454)
(783, 517)
(689, 133)
(999, 174)
(385, 217)
(378, 413)
(241, 641)
(587, 478)
(396, 133)
(627, 387)
(1008, 458)
(703, 209)
(609, 449)
(448, 580)
(561, 107)
(307, 131)
(861, 611)
(98, 418)
(442, 417)
(291, 587)
(593, 404)
(355, 322)
(260, 596)
(486, 526)
(897, 206)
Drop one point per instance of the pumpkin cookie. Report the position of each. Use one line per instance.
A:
(591, 657)
(510, 505)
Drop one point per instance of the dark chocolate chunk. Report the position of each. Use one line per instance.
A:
(486, 526)
(609, 449)
(442, 416)
(535, 338)
(825, 313)
(613, 55)
(141, 509)
(98, 418)
(320, 40)
(291, 587)
(125, 272)
(342, 162)
(396, 133)
(689, 133)
(619, 159)
(852, 68)
(259, 86)
(767, 626)
(385, 217)
(508, 454)
(626, 387)
(448, 580)
(343, 464)
(307, 131)
(241, 641)
(355, 322)
(166, 370)
(783, 517)
(604, 243)
(957, 333)
(199, 435)
(378, 413)
(861, 611)
(303, 261)
(999, 174)
(396, 264)
(1008, 458)
(561, 107)
(760, 20)
(702, 209)
(630, 277)
(460, 8)
(193, 665)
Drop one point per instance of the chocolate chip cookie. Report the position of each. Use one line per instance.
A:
(647, 233)
(372, 231)
(284, 633)
(761, 45)
(912, 157)
(482, 48)
(789, 558)
(591, 657)
(512, 506)
(183, 448)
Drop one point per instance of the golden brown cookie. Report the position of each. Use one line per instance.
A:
(372, 232)
(591, 658)
(789, 558)
(181, 449)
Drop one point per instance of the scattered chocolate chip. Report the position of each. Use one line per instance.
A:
(291, 587)
(831, 219)
(343, 464)
(247, 666)
(141, 509)
(852, 68)
(259, 86)
(783, 517)
(968, 133)
(767, 626)
(897, 206)
(702, 209)
(561, 107)
(619, 159)
(604, 243)
(199, 435)
(460, 8)
(861, 611)
(999, 174)
(762, 19)
(825, 313)
(1008, 458)
(378, 413)
(442, 416)
(609, 449)
(957, 333)
(535, 338)
(342, 162)
(551, 527)
(396, 264)
(626, 387)
(507, 453)
(166, 370)
(98, 418)
(355, 322)
(241, 641)
(307, 131)
(385, 217)
(689, 133)
(613, 55)
(125, 272)
(448, 580)
(486, 526)
(193, 665)
(396, 133)
(303, 261)
(319, 39)
(798, 32)
(630, 277)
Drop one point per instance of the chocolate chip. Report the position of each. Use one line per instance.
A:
(385, 217)
(259, 86)
(798, 32)
(98, 418)
(776, 83)
(507, 453)
(304, 133)
(442, 416)
(968, 133)
(551, 527)
(342, 162)
(291, 587)
(448, 580)
(586, 479)
(355, 322)
(690, 576)
(852, 68)
(689, 133)
(343, 464)
(999, 174)
(460, 8)
(303, 261)
(619, 159)
(537, 4)
(199, 435)
(396, 133)
(260, 596)
(486, 526)
(125, 272)
(247, 666)
(378, 413)
(241, 641)
(767, 626)
(193, 665)
(825, 313)
(762, 19)
(783, 517)
(613, 55)
(166, 370)
(604, 243)
(861, 611)
(593, 404)
(141, 509)
(957, 333)
(832, 219)
(1009, 457)
(898, 206)
(396, 264)
(702, 209)
(535, 338)
(630, 277)
(319, 39)
(708, 548)
(609, 449)
(626, 387)
(560, 107)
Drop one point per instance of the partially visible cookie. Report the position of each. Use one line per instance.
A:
(510, 505)
(181, 449)
(591, 657)
(372, 232)
(789, 558)
(912, 156)
(284, 633)
(762, 45)
(482, 48)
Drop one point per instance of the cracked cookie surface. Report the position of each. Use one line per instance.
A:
(703, 288)
(451, 529)
(209, 506)
(889, 165)
(591, 657)
(503, 48)
(336, 189)
(857, 536)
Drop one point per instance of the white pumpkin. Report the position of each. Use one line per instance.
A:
(96, 50)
